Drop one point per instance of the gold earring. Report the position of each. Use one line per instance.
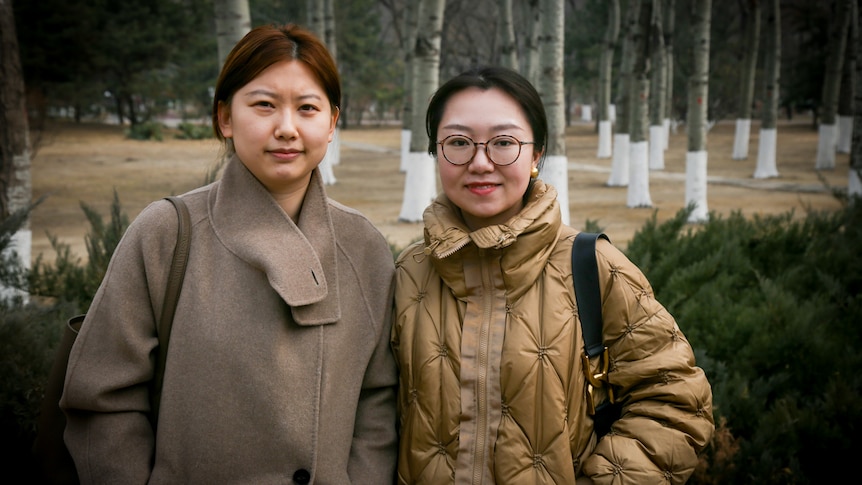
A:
(534, 173)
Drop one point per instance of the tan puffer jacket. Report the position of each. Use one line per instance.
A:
(489, 345)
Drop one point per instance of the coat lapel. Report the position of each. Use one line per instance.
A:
(299, 261)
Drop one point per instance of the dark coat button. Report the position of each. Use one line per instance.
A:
(301, 476)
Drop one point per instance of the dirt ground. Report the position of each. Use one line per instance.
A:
(85, 163)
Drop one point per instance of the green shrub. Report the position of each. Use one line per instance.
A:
(68, 278)
(148, 130)
(194, 131)
(772, 307)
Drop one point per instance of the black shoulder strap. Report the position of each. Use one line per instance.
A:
(585, 273)
(172, 295)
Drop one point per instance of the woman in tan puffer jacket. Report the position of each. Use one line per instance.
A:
(486, 330)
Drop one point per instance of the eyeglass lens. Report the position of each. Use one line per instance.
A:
(502, 150)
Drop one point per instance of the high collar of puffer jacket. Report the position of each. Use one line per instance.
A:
(299, 259)
(524, 242)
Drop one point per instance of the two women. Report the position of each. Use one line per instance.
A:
(486, 331)
(279, 368)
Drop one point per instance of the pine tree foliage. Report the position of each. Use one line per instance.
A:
(772, 306)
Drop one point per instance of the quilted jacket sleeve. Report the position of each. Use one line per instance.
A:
(667, 401)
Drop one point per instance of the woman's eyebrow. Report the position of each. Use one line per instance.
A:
(500, 127)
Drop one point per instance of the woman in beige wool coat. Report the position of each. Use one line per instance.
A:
(279, 368)
(486, 330)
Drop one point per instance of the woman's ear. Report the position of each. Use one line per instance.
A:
(224, 120)
(335, 114)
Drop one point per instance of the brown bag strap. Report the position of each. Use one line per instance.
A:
(172, 295)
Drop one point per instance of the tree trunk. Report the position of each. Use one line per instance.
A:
(15, 182)
(848, 84)
(766, 163)
(531, 43)
(619, 176)
(751, 34)
(551, 45)
(854, 183)
(317, 17)
(831, 87)
(658, 85)
(420, 185)
(698, 100)
(409, 47)
(669, 27)
(233, 21)
(509, 46)
(612, 33)
(333, 151)
(639, 88)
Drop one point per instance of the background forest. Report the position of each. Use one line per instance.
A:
(772, 305)
(147, 58)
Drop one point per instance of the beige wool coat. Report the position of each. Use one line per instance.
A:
(279, 368)
(489, 344)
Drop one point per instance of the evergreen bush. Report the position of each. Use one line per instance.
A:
(772, 307)
(147, 130)
(194, 131)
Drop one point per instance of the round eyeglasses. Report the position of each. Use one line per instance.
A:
(501, 150)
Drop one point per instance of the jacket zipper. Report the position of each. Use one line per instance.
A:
(482, 380)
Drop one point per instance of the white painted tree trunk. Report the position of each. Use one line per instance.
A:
(555, 172)
(586, 112)
(845, 134)
(766, 163)
(656, 147)
(21, 245)
(620, 162)
(333, 152)
(551, 90)
(695, 185)
(638, 190)
(612, 112)
(741, 139)
(605, 136)
(405, 149)
(420, 186)
(826, 146)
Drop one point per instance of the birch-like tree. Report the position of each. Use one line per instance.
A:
(639, 88)
(15, 181)
(854, 182)
(508, 43)
(669, 28)
(407, 82)
(555, 168)
(322, 21)
(698, 100)
(612, 33)
(766, 163)
(420, 184)
(848, 84)
(751, 36)
(619, 176)
(233, 21)
(828, 129)
(658, 85)
(532, 18)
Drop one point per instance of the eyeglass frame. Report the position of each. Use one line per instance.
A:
(487, 153)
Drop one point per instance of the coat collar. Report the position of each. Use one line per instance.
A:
(535, 229)
(299, 260)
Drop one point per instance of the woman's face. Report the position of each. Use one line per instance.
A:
(486, 193)
(281, 124)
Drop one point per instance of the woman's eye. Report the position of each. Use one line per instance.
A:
(504, 142)
(264, 104)
(459, 142)
(308, 107)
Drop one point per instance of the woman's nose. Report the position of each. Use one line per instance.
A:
(285, 127)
